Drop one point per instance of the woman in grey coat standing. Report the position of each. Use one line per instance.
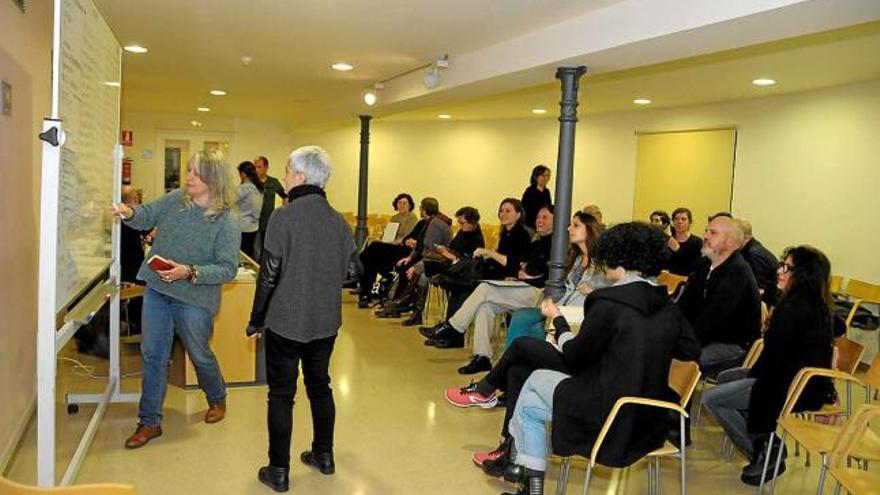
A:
(297, 306)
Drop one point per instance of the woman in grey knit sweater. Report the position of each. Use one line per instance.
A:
(199, 238)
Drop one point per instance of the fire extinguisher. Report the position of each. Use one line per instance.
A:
(126, 171)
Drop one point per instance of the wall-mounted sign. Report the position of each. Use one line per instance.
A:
(5, 98)
(127, 138)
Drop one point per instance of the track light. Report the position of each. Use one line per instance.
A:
(371, 96)
(433, 78)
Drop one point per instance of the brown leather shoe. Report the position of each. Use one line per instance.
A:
(142, 435)
(216, 412)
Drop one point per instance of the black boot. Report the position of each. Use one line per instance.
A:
(751, 474)
(323, 461)
(532, 483)
(416, 317)
(276, 478)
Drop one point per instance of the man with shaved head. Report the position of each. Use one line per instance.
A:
(764, 264)
(721, 298)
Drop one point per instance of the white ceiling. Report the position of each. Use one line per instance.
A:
(678, 52)
(196, 45)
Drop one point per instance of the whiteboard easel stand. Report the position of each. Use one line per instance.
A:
(50, 340)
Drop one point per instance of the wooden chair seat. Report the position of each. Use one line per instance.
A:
(8, 487)
(856, 481)
(668, 448)
(820, 438)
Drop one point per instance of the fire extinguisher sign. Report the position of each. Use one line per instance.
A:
(126, 170)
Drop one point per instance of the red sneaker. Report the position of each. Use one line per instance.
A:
(480, 457)
(469, 397)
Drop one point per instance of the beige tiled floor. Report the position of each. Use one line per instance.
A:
(395, 434)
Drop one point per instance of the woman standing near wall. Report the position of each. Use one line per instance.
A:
(200, 241)
(537, 194)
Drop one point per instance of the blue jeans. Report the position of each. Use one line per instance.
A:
(163, 316)
(534, 409)
(728, 403)
(525, 322)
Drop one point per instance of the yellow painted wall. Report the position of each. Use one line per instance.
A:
(692, 168)
(25, 47)
(806, 171)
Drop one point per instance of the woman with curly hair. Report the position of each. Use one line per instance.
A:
(631, 333)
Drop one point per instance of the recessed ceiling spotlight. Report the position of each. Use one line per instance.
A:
(764, 82)
(135, 49)
(444, 116)
(195, 123)
(539, 111)
(114, 84)
(203, 109)
(218, 92)
(642, 101)
(342, 66)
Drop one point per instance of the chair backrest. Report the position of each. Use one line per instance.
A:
(852, 432)
(862, 290)
(799, 383)
(754, 353)
(670, 280)
(849, 354)
(8, 487)
(872, 376)
(834, 283)
(683, 379)
(639, 401)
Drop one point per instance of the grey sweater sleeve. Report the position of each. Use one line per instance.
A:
(226, 247)
(149, 215)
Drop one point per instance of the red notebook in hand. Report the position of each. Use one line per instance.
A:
(158, 263)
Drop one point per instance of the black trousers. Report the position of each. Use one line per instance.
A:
(283, 357)
(247, 244)
(525, 355)
(379, 258)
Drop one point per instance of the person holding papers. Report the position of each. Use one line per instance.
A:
(493, 297)
(195, 252)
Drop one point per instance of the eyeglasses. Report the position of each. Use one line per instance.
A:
(787, 268)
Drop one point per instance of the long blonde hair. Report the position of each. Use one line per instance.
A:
(213, 169)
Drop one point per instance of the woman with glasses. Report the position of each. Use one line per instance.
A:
(800, 335)
(537, 194)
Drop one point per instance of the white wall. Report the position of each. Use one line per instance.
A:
(806, 168)
(249, 138)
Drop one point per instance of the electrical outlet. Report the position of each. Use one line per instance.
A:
(5, 98)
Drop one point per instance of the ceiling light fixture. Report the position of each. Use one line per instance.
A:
(433, 78)
(642, 101)
(203, 109)
(539, 111)
(342, 66)
(218, 92)
(195, 123)
(114, 84)
(444, 116)
(371, 96)
(763, 81)
(135, 49)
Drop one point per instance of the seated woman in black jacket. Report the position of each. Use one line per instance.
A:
(800, 335)
(498, 264)
(625, 346)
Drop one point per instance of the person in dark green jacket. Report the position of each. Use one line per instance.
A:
(271, 188)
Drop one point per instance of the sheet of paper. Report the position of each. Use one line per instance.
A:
(390, 232)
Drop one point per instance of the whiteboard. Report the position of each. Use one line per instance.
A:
(88, 106)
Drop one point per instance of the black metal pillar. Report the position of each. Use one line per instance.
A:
(360, 233)
(569, 77)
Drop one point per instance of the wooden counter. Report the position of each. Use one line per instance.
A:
(235, 353)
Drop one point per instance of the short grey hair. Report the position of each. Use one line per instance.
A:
(313, 162)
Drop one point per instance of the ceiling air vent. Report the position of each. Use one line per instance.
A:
(19, 4)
